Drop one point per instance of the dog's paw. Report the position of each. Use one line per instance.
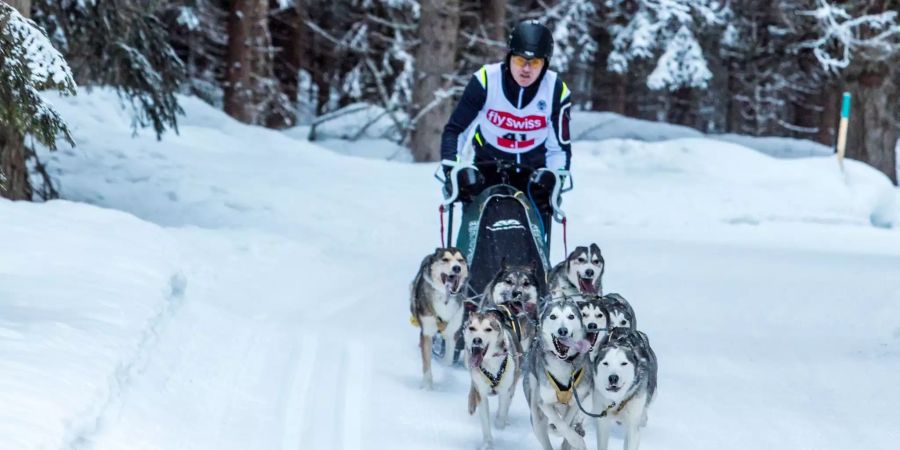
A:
(501, 423)
(427, 384)
(577, 444)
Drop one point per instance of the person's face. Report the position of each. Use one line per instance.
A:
(525, 71)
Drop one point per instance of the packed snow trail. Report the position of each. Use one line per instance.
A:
(762, 296)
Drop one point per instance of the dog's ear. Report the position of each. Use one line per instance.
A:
(470, 305)
(595, 250)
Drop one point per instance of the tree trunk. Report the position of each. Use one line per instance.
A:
(608, 88)
(238, 94)
(681, 108)
(829, 117)
(14, 182)
(435, 55)
(874, 124)
(734, 120)
(286, 40)
(494, 13)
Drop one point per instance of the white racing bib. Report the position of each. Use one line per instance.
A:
(504, 126)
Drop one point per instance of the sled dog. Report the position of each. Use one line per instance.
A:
(594, 317)
(514, 293)
(618, 312)
(624, 383)
(493, 363)
(436, 303)
(557, 366)
(580, 274)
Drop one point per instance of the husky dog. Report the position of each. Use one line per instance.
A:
(493, 364)
(436, 297)
(618, 312)
(624, 382)
(514, 293)
(557, 366)
(594, 316)
(580, 274)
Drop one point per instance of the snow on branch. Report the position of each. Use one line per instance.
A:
(640, 29)
(682, 64)
(27, 44)
(841, 34)
(29, 64)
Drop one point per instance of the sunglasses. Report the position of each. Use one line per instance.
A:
(521, 61)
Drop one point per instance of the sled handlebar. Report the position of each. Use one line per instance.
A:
(559, 187)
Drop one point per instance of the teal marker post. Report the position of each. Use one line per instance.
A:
(842, 129)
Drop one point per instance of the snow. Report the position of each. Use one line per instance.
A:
(598, 126)
(240, 288)
(30, 44)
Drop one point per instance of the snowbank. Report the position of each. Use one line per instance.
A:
(598, 126)
(293, 331)
(83, 292)
(695, 181)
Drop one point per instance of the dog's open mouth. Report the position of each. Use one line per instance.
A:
(586, 285)
(476, 355)
(613, 388)
(561, 345)
(592, 337)
(451, 282)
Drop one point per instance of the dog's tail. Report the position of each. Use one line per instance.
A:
(474, 399)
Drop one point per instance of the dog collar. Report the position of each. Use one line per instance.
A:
(492, 379)
(564, 396)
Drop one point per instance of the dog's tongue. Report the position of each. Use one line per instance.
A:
(592, 337)
(582, 346)
(477, 356)
(451, 284)
(586, 286)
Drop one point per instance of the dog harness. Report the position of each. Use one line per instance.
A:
(564, 396)
(441, 325)
(511, 318)
(494, 381)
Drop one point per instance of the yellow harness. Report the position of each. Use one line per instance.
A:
(564, 396)
(441, 325)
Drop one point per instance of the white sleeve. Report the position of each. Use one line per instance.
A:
(555, 156)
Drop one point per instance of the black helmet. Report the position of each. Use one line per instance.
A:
(531, 39)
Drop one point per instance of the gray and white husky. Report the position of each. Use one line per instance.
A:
(494, 364)
(619, 312)
(514, 293)
(436, 303)
(594, 316)
(557, 366)
(580, 274)
(624, 384)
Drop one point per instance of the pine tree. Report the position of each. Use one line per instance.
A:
(861, 43)
(28, 64)
(123, 44)
(434, 60)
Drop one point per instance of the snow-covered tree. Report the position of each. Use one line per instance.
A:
(123, 44)
(860, 43)
(647, 29)
(28, 64)
(681, 65)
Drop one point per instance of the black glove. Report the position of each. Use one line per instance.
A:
(543, 181)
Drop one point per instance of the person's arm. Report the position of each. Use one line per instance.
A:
(559, 147)
(467, 109)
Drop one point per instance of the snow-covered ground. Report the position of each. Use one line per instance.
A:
(239, 288)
